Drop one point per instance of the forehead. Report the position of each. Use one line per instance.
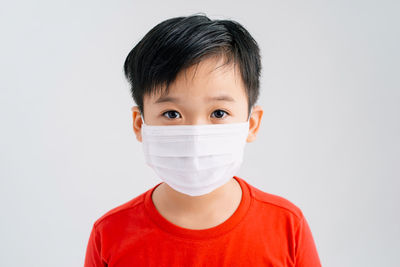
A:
(208, 78)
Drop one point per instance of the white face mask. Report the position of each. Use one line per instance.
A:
(195, 159)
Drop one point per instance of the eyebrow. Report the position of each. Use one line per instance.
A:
(221, 98)
(166, 99)
(177, 100)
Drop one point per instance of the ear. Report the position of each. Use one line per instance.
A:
(137, 123)
(254, 123)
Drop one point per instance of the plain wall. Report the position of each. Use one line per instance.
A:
(329, 138)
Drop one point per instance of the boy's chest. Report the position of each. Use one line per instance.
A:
(243, 248)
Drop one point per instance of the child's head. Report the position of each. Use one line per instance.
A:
(193, 70)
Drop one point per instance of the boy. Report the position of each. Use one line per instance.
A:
(195, 82)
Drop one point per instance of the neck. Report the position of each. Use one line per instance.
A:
(223, 198)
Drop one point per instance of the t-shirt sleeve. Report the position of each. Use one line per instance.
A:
(93, 250)
(306, 251)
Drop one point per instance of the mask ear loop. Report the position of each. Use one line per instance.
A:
(141, 115)
(251, 110)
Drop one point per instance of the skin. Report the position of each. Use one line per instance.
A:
(190, 104)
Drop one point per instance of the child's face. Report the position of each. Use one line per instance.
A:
(207, 95)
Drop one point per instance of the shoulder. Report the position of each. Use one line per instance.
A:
(275, 201)
(118, 212)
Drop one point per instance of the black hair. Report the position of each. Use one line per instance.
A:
(180, 42)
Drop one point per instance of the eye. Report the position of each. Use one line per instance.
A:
(219, 113)
(171, 114)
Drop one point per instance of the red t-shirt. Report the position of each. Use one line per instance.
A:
(265, 230)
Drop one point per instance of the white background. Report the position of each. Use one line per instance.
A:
(329, 139)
